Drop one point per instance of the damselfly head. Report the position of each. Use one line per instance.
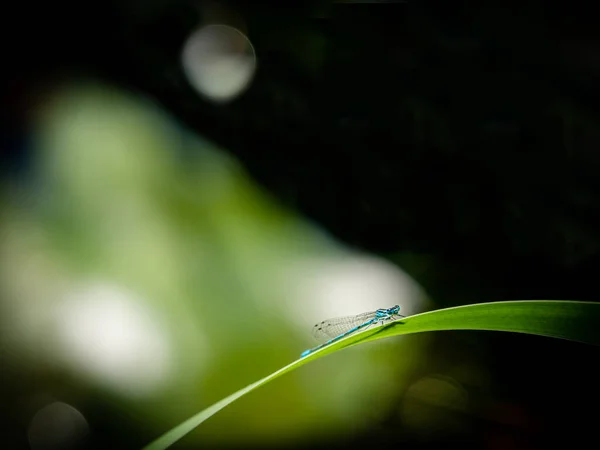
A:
(385, 312)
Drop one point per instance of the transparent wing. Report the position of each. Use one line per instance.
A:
(328, 329)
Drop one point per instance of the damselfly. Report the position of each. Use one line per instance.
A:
(335, 329)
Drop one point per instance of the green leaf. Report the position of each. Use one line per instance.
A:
(572, 320)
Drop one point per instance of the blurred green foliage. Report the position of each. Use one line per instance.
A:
(124, 220)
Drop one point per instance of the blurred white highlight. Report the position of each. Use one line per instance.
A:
(108, 335)
(219, 62)
(351, 285)
(57, 426)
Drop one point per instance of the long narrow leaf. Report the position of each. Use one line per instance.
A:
(572, 320)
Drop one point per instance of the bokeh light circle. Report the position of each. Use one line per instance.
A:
(219, 62)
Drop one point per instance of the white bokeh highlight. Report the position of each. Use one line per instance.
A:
(108, 335)
(219, 62)
(323, 288)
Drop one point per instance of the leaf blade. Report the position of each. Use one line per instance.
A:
(563, 319)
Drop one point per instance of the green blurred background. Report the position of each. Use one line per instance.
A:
(187, 187)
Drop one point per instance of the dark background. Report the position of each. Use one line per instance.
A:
(459, 139)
